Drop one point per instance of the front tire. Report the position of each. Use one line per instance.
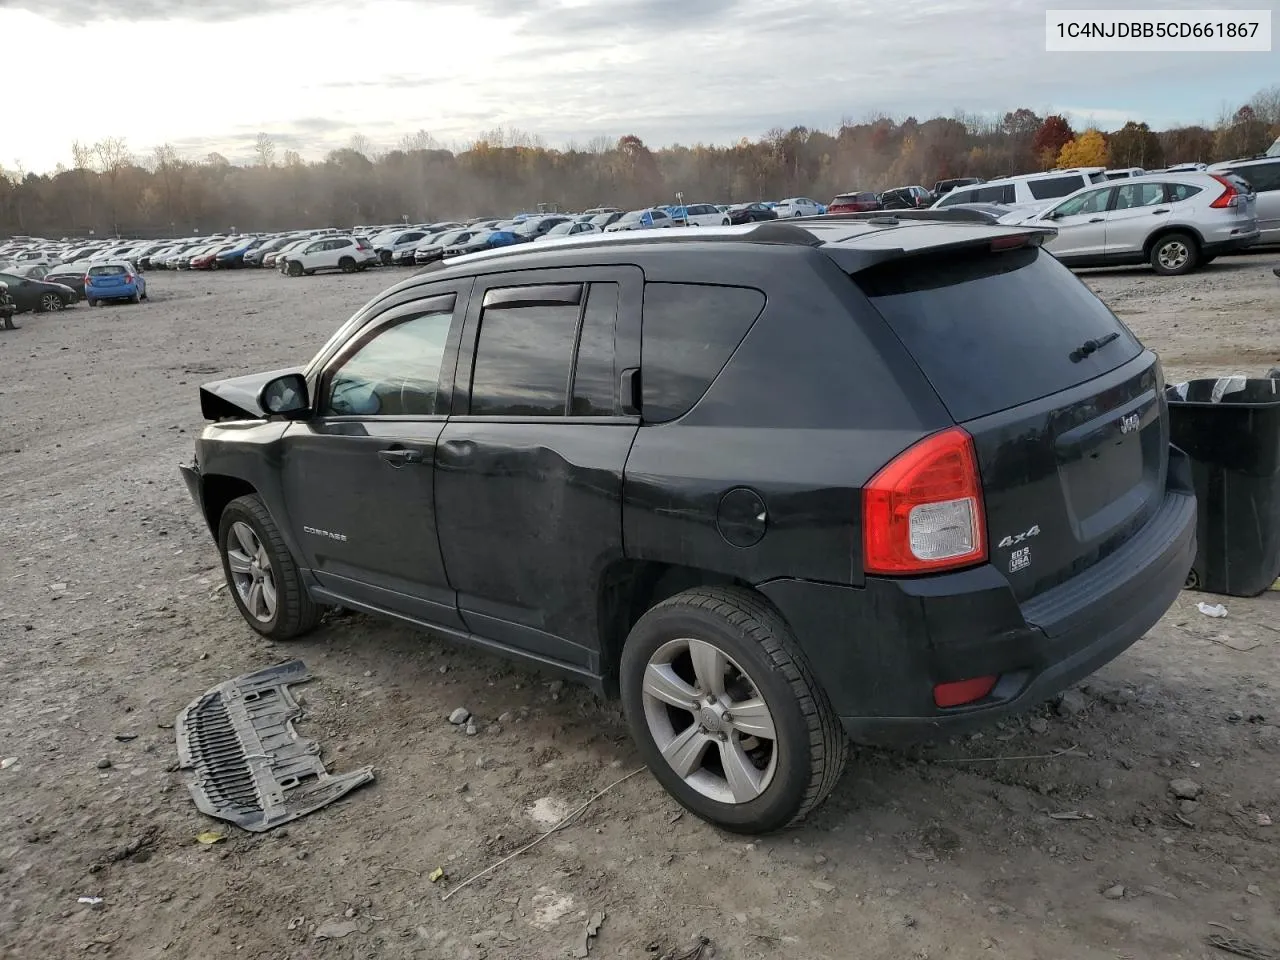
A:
(294, 269)
(1175, 254)
(263, 578)
(727, 713)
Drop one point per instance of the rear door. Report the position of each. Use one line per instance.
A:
(1265, 180)
(1066, 409)
(530, 465)
(1137, 210)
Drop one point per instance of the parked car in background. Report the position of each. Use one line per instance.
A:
(69, 275)
(1123, 173)
(646, 219)
(1262, 174)
(255, 256)
(534, 227)
(603, 220)
(699, 215)
(232, 258)
(906, 198)
(798, 207)
(271, 259)
(857, 202)
(389, 244)
(114, 280)
(432, 248)
(571, 228)
(32, 271)
(750, 213)
(486, 240)
(207, 259)
(1175, 222)
(404, 254)
(1026, 188)
(348, 254)
(38, 296)
(943, 187)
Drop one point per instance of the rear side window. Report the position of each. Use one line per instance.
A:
(523, 359)
(1181, 191)
(995, 330)
(1000, 193)
(689, 332)
(1263, 177)
(1047, 188)
(593, 377)
(107, 270)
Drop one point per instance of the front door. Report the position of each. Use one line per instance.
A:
(1082, 225)
(359, 476)
(530, 465)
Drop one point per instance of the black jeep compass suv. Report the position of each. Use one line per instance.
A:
(871, 475)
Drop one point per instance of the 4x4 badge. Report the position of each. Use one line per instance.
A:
(1009, 541)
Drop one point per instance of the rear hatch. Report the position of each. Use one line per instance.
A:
(107, 276)
(1065, 407)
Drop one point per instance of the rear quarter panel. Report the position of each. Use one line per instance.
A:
(817, 397)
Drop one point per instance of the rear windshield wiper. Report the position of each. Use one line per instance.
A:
(1092, 346)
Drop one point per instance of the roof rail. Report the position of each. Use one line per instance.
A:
(943, 214)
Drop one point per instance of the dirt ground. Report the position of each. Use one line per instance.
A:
(112, 620)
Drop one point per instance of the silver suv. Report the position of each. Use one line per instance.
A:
(1263, 175)
(1174, 221)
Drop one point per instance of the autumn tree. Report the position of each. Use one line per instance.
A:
(1135, 145)
(1241, 135)
(1087, 150)
(1054, 134)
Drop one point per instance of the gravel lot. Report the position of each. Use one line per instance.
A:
(112, 620)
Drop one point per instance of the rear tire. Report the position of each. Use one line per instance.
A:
(93, 303)
(1174, 254)
(293, 612)
(779, 780)
(136, 298)
(347, 264)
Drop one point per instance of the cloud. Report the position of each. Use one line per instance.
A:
(316, 71)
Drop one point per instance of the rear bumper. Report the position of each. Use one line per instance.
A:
(881, 648)
(1214, 248)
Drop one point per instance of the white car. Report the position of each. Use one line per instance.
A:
(1026, 188)
(647, 219)
(704, 215)
(798, 207)
(327, 253)
(570, 228)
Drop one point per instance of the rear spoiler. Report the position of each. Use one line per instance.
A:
(853, 259)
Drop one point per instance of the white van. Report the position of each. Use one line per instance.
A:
(1027, 187)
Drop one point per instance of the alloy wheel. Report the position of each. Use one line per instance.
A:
(709, 721)
(1173, 255)
(50, 302)
(251, 572)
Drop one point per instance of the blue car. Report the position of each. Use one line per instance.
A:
(233, 258)
(114, 280)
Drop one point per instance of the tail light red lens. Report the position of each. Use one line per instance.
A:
(87, 278)
(128, 278)
(923, 512)
(1230, 198)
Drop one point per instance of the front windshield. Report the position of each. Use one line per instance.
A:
(559, 230)
(633, 215)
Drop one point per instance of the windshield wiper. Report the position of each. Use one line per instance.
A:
(1092, 346)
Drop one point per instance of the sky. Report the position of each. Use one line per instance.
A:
(210, 74)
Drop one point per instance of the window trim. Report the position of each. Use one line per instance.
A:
(369, 331)
(630, 279)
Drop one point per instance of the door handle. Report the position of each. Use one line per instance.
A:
(1097, 219)
(399, 456)
(1160, 211)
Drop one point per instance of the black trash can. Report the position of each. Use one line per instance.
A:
(1230, 428)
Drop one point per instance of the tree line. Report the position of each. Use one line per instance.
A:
(108, 189)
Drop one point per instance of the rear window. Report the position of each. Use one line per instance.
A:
(995, 330)
(1049, 188)
(689, 332)
(107, 270)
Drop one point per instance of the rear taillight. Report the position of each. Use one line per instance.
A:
(128, 278)
(1230, 198)
(86, 279)
(923, 511)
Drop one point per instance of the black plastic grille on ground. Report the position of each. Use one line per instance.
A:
(250, 765)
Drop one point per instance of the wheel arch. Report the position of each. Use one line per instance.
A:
(1165, 230)
(219, 489)
(629, 588)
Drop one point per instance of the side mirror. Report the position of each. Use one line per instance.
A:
(285, 396)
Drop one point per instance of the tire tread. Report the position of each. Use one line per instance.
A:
(298, 613)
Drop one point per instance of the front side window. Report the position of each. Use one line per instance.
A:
(394, 373)
(1095, 201)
